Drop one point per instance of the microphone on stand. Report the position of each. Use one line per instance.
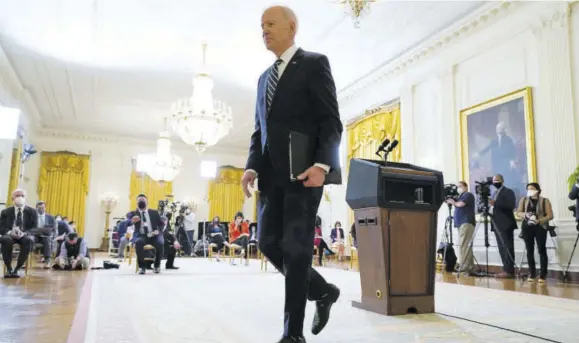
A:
(382, 147)
(388, 150)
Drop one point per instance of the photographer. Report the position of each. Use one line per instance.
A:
(536, 213)
(464, 221)
(504, 224)
(574, 195)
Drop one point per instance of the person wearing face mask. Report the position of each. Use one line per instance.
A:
(503, 203)
(239, 234)
(337, 237)
(148, 229)
(45, 231)
(464, 221)
(216, 236)
(189, 223)
(16, 224)
(536, 213)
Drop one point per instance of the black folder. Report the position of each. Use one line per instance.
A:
(302, 155)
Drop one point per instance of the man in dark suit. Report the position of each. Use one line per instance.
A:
(148, 229)
(45, 231)
(171, 244)
(297, 93)
(503, 204)
(16, 223)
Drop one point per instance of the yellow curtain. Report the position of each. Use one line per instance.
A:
(64, 184)
(14, 171)
(225, 193)
(155, 191)
(367, 133)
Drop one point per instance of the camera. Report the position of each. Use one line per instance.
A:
(483, 190)
(450, 191)
(161, 206)
(573, 210)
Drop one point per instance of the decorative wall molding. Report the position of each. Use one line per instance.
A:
(112, 140)
(463, 28)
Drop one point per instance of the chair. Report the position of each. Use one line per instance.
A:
(147, 247)
(353, 251)
(263, 260)
(27, 264)
(233, 249)
(210, 250)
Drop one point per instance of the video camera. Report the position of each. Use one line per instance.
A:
(450, 191)
(573, 210)
(483, 190)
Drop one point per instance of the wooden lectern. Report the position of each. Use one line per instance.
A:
(395, 207)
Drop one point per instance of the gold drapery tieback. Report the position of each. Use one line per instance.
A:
(226, 196)
(63, 184)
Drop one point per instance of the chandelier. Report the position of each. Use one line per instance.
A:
(357, 9)
(200, 120)
(163, 166)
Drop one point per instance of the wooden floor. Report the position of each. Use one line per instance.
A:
(553, 288)
(53, 306)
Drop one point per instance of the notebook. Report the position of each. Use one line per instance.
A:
(301, 157)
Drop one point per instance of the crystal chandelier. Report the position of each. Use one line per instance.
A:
(357, 9)
(200, 120)
(163, 165)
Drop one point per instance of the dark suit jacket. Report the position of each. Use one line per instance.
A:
(304, 101)
(503, 212)
(334, 234)
(156, 223)
(8, 216)
(49, 221)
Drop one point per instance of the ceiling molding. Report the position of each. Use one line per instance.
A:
(17, 91)
(115, 140)
(462, 28)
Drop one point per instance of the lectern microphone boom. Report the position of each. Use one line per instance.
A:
(382, 147)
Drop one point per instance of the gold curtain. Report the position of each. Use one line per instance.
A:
(225, 193)
(64, 184)
(14, 171)
(367, 133)
(155, 191)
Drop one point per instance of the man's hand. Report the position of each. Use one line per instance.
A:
(450, 201)
(177, 245)
(247, 180)
(155, 232)
(314, 176)
(73, 264)
(135, 219)
(492, 202)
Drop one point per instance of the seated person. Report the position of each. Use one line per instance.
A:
(216, 235)
(353, 233)
(253, 234)
(171, 244)
(16, 222)
(148, 229)
(62, 229)
(337, 236)
(45, 231)
(73, 253)
(320, 243)
(124, 236)
(239, 233)
(72, 225)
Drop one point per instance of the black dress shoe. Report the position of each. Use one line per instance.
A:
(157, 270)
(142, 271)
(292, 340)
(323, 307)
(173, 267)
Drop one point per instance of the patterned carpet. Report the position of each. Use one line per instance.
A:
(209, 302)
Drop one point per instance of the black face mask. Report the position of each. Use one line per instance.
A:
(142, 204)
(497, 184)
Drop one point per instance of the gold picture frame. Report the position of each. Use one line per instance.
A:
(485, 151)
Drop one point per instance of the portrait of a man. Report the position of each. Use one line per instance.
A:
(497, 138)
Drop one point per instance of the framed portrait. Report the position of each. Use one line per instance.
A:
(498, 137)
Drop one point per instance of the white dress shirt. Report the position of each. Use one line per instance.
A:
(286, 58)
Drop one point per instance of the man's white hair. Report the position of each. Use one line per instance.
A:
(288, 13)
(19, 190)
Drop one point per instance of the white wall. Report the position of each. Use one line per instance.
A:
(501, 48)
(111, 169)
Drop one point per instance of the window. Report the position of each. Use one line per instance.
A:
(208, 169)
(9, 119)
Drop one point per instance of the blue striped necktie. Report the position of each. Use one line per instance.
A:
(272, 81)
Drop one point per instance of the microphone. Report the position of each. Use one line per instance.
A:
(382, 147)
(393, 145)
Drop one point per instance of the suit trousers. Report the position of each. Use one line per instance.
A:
(47, 245)
(157, 242)
(286, 224)
(7, 242)
(506, 245)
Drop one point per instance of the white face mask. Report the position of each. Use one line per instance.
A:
(188, 211)
(531, 192)
(19, 201)
(460, 190)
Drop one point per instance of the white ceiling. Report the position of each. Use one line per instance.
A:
(113, 67)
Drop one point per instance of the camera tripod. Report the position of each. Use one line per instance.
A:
(565, 273)
(488, 217)
(447, 233)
